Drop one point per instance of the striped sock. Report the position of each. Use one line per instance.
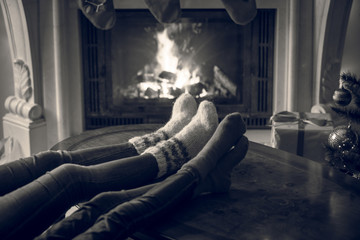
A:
(179, 149)
(183, 110)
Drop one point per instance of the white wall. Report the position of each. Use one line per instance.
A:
(6, 74)
(351, 55)
(60, 52)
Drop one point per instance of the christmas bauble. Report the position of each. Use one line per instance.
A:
(343, 138)
(342, 96)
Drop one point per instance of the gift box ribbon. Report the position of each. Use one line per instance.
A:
(286, 118)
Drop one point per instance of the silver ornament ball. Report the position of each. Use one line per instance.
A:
(343, 138)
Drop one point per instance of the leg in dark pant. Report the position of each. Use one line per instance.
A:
(90, 211)
(133, 215)
(44, 199)
(29, 210)
(20, 172)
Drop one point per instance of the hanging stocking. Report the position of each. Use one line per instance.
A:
(100, 13)
(241, 11)
(165, 11)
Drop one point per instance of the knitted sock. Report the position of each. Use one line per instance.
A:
(183, 110)
(229, 131)
(219, 179)
(165, 11)
(173, 153)
(101, 13)
(241, 11)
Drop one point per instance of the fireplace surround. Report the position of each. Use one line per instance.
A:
(46, 37)
(133, 73)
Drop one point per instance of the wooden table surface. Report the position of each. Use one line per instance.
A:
(274, 195)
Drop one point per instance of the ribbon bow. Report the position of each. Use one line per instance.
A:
(286, 117)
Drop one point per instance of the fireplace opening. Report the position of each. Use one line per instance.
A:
(134, 72)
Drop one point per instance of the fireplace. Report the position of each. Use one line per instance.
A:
(133, 73)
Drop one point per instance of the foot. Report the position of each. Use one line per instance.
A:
(219, 179)
(183, 111)
(229, 131)
(186, 144)
(101, 13)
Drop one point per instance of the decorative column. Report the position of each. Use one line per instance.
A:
(24, 123)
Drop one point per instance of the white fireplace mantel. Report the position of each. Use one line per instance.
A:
(44, 37)
(44, 46)
(24, 122)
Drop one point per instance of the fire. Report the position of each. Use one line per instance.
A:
(174, 72)
(167, 51)
(168, 59)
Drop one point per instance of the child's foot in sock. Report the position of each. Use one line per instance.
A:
(229, 131)
(219, 179)
(101, 13)
(173, 153)
(183, 111)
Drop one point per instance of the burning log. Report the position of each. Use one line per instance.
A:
(223, 83)
(195, 89)
(151, 93)
(219, 90)
(168, 75)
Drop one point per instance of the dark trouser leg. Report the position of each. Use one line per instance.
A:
(29, 210)
(90, 211)
(22, 171)
(131, 216)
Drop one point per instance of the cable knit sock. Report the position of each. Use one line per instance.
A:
(182, 147)
(229, 131)
(241, 11)
(219, 179)
(183, 111)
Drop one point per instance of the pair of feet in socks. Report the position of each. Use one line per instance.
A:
(193, 138)
(102, 15)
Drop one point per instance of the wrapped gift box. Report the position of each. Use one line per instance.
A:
(301, 133)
